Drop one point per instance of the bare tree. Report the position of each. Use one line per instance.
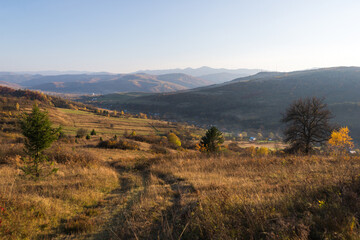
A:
(307, 124)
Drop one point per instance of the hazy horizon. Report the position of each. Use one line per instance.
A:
(122, 37)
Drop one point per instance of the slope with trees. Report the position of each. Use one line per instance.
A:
(257, 102)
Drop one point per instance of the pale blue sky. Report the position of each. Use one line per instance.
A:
(128, 35)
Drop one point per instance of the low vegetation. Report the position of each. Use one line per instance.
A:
(138, 178)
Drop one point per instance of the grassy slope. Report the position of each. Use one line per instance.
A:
(123, 194)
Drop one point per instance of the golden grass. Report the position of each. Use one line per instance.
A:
(123, 194)
(37, 208)
(258, 197)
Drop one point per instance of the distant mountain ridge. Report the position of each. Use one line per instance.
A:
(103, 84)
(82, 82)
(214, 75)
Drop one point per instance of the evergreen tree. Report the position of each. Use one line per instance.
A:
(212, 140)
(36, 127)
(93, 132)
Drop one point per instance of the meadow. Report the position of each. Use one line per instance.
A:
(158, 191)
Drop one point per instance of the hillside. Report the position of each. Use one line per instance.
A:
(257, 102)
(126, 180)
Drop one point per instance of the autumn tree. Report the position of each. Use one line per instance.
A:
(340, 140)
(307, 124)
(39, 135)
(174, 140)
(212, 140)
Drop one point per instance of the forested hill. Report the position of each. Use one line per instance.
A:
(256, 102)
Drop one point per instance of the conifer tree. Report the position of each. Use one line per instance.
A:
(212, 140)
(36, 127)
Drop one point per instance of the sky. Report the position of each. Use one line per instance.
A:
(122, 36)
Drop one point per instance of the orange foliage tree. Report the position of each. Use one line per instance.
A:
(340, 139)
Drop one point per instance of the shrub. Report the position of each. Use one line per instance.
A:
(174, 140)
(88, 137)
(340, 140)
(93, 132)
(66, 155)
(152, 139)
(250, 150)
(234, 147)
(159, 149)
(263, 151)
(121, 144)
(81, 132)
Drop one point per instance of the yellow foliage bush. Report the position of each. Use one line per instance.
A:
(263, 151)
(340, 139)
(250, 150)
(173, 139)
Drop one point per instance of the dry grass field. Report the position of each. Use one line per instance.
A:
(101, 193)
(195, 196)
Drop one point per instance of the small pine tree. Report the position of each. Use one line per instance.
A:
(88, 137)
(36, 127)
(93, 132)
(212, 140)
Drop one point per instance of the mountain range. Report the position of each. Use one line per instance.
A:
(104, 83)
(255, 103)
(214, 75)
